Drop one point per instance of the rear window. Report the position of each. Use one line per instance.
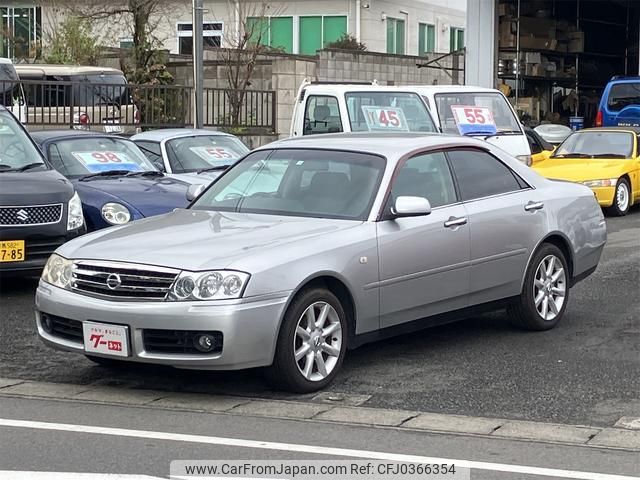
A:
(506, 122)
(622, 95)
(85, 90)
(388, 112)
(9, 85)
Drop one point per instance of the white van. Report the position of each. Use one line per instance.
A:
(11, 92)
(510, 135)
(325, 107)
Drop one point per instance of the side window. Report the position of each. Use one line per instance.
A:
(151, 151)
(322, 115)
(480, 174)
(427, 175)
(533, 144)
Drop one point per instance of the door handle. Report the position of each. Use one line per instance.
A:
(455, 222)
(533, 206)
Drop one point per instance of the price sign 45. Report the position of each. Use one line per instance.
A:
(385, 118)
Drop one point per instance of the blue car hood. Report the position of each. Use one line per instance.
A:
(148, 196)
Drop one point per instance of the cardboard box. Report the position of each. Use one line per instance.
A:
(532, 57)
(536, 43)
(506, 9)
(576, 42)
(538, 27)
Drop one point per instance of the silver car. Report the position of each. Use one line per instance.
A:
(310, 246)
(191, 155)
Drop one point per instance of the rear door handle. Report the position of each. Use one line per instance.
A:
(533, 206)
(455, 222)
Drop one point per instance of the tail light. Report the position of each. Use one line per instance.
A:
(136, 116)
(82, 120)
(599, 118)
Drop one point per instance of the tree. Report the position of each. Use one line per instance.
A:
(73, 43)
(244, 47)
(141, 17)
(348, 42)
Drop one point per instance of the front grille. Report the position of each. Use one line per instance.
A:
(178, 341)
(122, 281)
(62, 327)
(41, 249)
(33, 215)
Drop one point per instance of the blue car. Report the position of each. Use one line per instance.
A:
(620, 103)
(115, 181)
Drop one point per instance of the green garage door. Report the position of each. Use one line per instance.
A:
(310, 35)
(333, 29)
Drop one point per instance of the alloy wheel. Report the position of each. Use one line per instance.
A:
(549, 287)
(318, 341)
(622, 197)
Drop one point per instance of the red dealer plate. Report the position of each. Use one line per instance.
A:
(106, 339)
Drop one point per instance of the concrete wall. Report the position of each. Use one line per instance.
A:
(444, 14)
(285, 73)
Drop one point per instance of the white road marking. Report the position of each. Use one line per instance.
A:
(27, 475)
(311, 449)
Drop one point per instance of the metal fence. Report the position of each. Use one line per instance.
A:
(124, 108)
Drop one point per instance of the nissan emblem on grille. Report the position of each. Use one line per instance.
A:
(22, 215)
(113, 281)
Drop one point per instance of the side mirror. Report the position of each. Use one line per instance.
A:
(160, 166)
(411, 207)
(194, 191)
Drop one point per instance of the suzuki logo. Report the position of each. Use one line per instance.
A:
(113, 281)
(22, 215)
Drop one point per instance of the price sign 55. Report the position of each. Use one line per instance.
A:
(471, 119)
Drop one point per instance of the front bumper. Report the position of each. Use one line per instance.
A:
(604, 195)
(249, 326)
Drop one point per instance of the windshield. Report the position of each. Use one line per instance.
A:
(16, 150)
(388, 112)
(624, 94)
(83, 156)
(190, 154)
(101, 89)
(303, 183)
(506, 121)
(597, 144)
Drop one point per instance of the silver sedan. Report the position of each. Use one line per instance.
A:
(310, 246)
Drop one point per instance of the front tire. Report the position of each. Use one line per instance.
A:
(621, 199)
(545, 294)
(311, 344)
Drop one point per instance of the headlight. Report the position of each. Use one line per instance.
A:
(607, 182)
(212, 285)
(526, 159)
(115, 213)
(58, 271)
(75, 219)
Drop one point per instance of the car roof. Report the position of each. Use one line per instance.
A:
(165, 133)
(452, 88)
(635, 130)
(390, 145)
(47, 135)
(338, 88)
(66, 69)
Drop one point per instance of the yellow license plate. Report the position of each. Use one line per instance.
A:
(12, 251)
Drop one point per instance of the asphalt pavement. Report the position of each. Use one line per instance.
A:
(62, 436)
(586, 371)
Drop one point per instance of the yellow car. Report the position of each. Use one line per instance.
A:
(605, 159)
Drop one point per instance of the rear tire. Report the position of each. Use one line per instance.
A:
(545, 293)
(621, 199)
(311, 344)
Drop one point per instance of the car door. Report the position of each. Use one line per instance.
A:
(424, 260)
(506, 221)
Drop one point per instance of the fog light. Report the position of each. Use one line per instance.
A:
(46, 322)
(205, 343)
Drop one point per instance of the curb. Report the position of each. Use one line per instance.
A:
(624, 435)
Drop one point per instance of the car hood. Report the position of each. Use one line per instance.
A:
(195, 178)
(582, 169)
(149, 196)
(34, 188)
(199, 240)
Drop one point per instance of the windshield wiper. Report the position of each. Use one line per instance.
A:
(146, 173)
(609, 155)
(26, 167)
(106, 173)
(211, 169)
(572, 155)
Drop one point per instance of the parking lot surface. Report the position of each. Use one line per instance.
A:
(583, 372)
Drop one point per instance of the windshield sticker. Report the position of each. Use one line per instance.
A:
(214, 154)
(472, 120)
(104, 161)
(385, 119)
